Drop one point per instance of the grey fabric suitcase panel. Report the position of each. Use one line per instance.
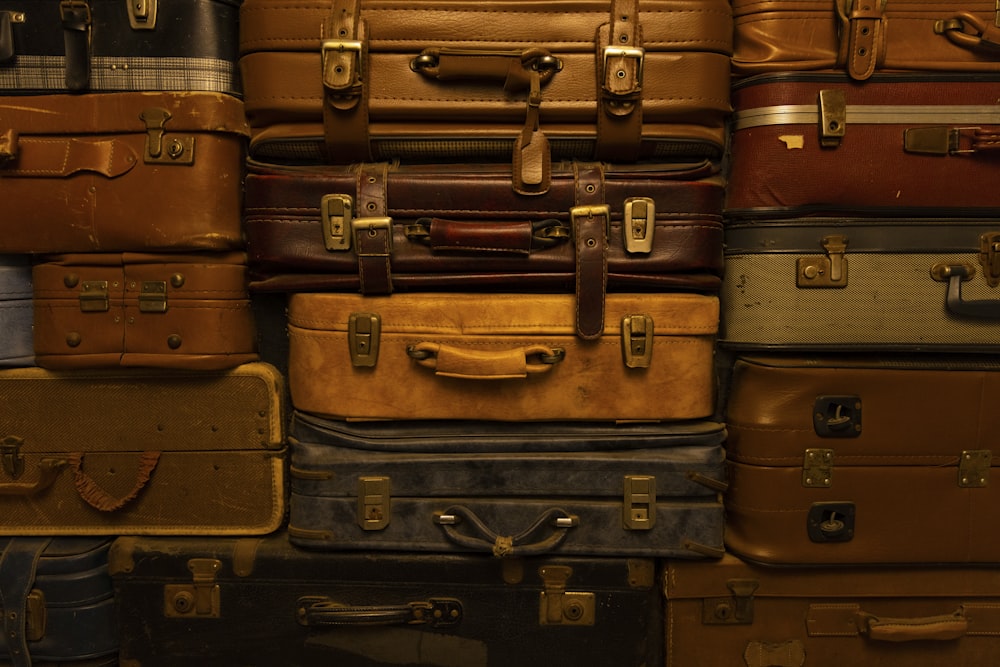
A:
(16, 311)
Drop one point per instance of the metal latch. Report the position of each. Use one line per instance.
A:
(824, 271)
(8, 146)
(557, 606)
(200, 598)
(936, 140)
(817, 468)
(737, 609)
(94, 296)
(989, 257)
(10, 456)
(363, 330)
(142, 14)
(639, 224)
(837, 416)
(153, 296)
(35, 617)
(832, 117)
(974, 468)
(831, 522)
(639, 508)
(337, 212)
(160, 150)
(373, 502)
(637, 341)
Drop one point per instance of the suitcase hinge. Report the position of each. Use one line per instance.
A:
(974, 468)
(989, 257)
(832, 117)
(825, 271)
(557, 606)
(363, 331)
(637, 341)
(337, 213)
(373, 503)
(201, 598)
(35, 616)
(142, 14)
(737, 609)
(640, 502)
(94, 296)
(153, 296)
(160, 149)
(639, 224)
(10, 456)
(817, 468)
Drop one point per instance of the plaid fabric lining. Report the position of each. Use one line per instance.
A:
(46, 74)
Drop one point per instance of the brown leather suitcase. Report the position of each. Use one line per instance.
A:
(860, 37)
(349, 81)
(133, 451)
(97, 310)
(854, 460)
(507, 357)
(730, 612)
(119, 172)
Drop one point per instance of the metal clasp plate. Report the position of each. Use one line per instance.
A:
(989, 257)
(142, 14)
(373, 503)
(637, 341)
(153, 296)
(363, 331)
(94, 296)
(828, 271)
(974, 468)
(159, 149)
(337, 212)
(639, 224)
(201, 598)
(557, 606)
(832, 117)
(817, 468)
(10, 456)
(737, 609)
(639, 507)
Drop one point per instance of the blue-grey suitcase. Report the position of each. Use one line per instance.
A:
(16, 312)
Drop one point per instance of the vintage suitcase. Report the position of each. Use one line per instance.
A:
(506, 357)
(515, 81)
(379, 228)
(56, 597)
(896, 144)
(131, 451)
(55, 46)
(860, 38)
(876, 459)
(509, 489)
(730, 612)
(16, 311)
(118, 172)
(178, 599)
(862, 283)
(96, 310)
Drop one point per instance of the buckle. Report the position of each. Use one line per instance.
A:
(626, 52)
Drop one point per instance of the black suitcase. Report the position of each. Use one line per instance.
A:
(263, 602)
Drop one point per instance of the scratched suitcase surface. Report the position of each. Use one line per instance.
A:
(56, 597)
(641, 490)
(16, 311)
(178, 598)
(53, 46)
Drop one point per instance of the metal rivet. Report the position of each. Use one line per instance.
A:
(176, 280)
(73, 339)
(173, 341)
(72, 280)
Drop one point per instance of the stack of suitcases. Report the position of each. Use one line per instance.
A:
(462, 334)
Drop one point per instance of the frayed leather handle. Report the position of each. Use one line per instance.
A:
(100, 499)
(941, 628)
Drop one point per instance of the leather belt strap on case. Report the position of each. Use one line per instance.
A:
(76, 22)
(862, 34)
(17, 575)
(373, 230)
(345, 103)
(591, 218)
(619, 68)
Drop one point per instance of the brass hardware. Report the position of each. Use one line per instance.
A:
(817, 468)
(626, 52)
(938, 140)
(831, 522)
(641, 573)
(639, 224)
(943, 273)
(201, 598)
(94, 296)
(10, 456)
(35, 617)
(174, 341)
(837, 416)
(71, 280)
(597, 210)
(736, 609)
(824, 271)
(974, 468)
(153, 296)
(177, 280)
(8, 145)
(832, 117)
(989, 257)
(142, 14)
(373, 503)
(160, 149)
(372, 224)
(639, 508)
(73, 339)
(637, 341)
(342, 46)
(557, 606)
(363, 330)
(337, 213)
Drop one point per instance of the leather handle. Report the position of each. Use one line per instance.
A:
(940, 628)
(30, 157)
(100, 499)
(968, 31)
(456, 362)
(557, 520)
(513, 68)
(48, 471)
(322, 611)
(515, 237)
(955, 274)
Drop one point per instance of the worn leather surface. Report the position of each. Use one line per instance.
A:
(16, 311)
(77, 175)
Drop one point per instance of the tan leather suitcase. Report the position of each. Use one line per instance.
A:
(97, 310)
(119, 172)
(126, 451)
(348, 81)
(730, 612)
(509, 357)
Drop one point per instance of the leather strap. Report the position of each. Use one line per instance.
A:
(76, 22)
(62, 157)
(17, 575)
(620, 59)
(864, 38)
(591, 219)
(373, 242)
(345, 100)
